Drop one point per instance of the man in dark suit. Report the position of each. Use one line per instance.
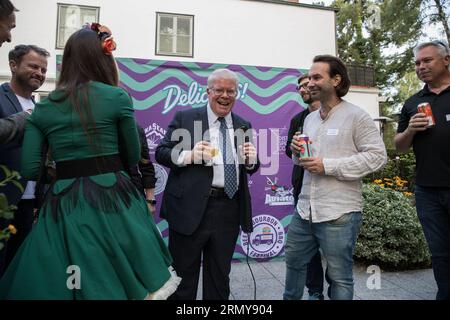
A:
(28, 66)
(13, 126)
(314, 273)
(207, 197)
(7, 20)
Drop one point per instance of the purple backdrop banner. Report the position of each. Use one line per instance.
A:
(267, 98)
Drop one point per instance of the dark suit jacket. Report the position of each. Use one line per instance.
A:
(297, 172)
(187, 190)
(142, 174)
(10, 153)
(13, 127)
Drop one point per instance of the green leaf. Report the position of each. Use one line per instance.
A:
(3, 202)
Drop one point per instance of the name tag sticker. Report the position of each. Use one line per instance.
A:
(332, 132)
(448, 117)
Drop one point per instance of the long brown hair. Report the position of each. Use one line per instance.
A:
(84, 61)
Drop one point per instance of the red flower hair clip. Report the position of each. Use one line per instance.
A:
(105, 35)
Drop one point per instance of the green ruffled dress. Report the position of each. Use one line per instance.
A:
(94, 238)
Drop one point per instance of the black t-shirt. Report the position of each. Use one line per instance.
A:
(432, 146)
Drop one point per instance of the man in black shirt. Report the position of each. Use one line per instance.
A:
(431, 148)
(314, 273)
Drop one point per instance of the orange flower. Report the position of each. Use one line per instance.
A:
(105, 35)
(109, 45)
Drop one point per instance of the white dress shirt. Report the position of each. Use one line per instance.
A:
(213, 136)
(217, 161)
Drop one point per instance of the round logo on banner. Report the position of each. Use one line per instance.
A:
(161, 175)
(154, 134)
(267, 238)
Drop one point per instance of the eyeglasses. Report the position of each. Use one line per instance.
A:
(219, 92)
(304, 86)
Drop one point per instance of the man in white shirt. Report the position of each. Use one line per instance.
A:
(346, 146)
(28, 66)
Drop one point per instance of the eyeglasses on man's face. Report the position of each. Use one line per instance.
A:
(304, 86)
(219, 92)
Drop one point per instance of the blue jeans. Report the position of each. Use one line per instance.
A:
(433, 210)
(336, 238)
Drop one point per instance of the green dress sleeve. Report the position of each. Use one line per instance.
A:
(32, 149)
(128, 130)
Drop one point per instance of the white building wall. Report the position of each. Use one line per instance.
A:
(225, 31)
(366, 98)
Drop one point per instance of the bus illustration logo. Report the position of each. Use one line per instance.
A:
(266, 240)
(266, 237)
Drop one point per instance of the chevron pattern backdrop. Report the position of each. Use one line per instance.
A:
(267, 98)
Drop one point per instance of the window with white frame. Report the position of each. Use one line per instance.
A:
(174, 34)
(71, 18)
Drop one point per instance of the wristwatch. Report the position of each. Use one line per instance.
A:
(152, 202)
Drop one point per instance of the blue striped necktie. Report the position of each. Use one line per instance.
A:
(229, 165)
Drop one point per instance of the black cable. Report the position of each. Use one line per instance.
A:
(244, 128)
(248, 264)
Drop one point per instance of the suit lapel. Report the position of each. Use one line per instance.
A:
(236, 125)
(202, 115)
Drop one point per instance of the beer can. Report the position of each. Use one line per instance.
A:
(305, 151)
(425, 107)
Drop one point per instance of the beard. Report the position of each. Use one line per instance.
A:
(26, 83)
(308, 99)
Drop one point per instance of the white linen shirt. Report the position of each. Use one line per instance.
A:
(351, 147)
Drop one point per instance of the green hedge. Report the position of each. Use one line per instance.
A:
(391, 235)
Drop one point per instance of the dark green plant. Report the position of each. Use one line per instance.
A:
(391, 235)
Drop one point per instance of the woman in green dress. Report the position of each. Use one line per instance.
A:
(94, 238)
